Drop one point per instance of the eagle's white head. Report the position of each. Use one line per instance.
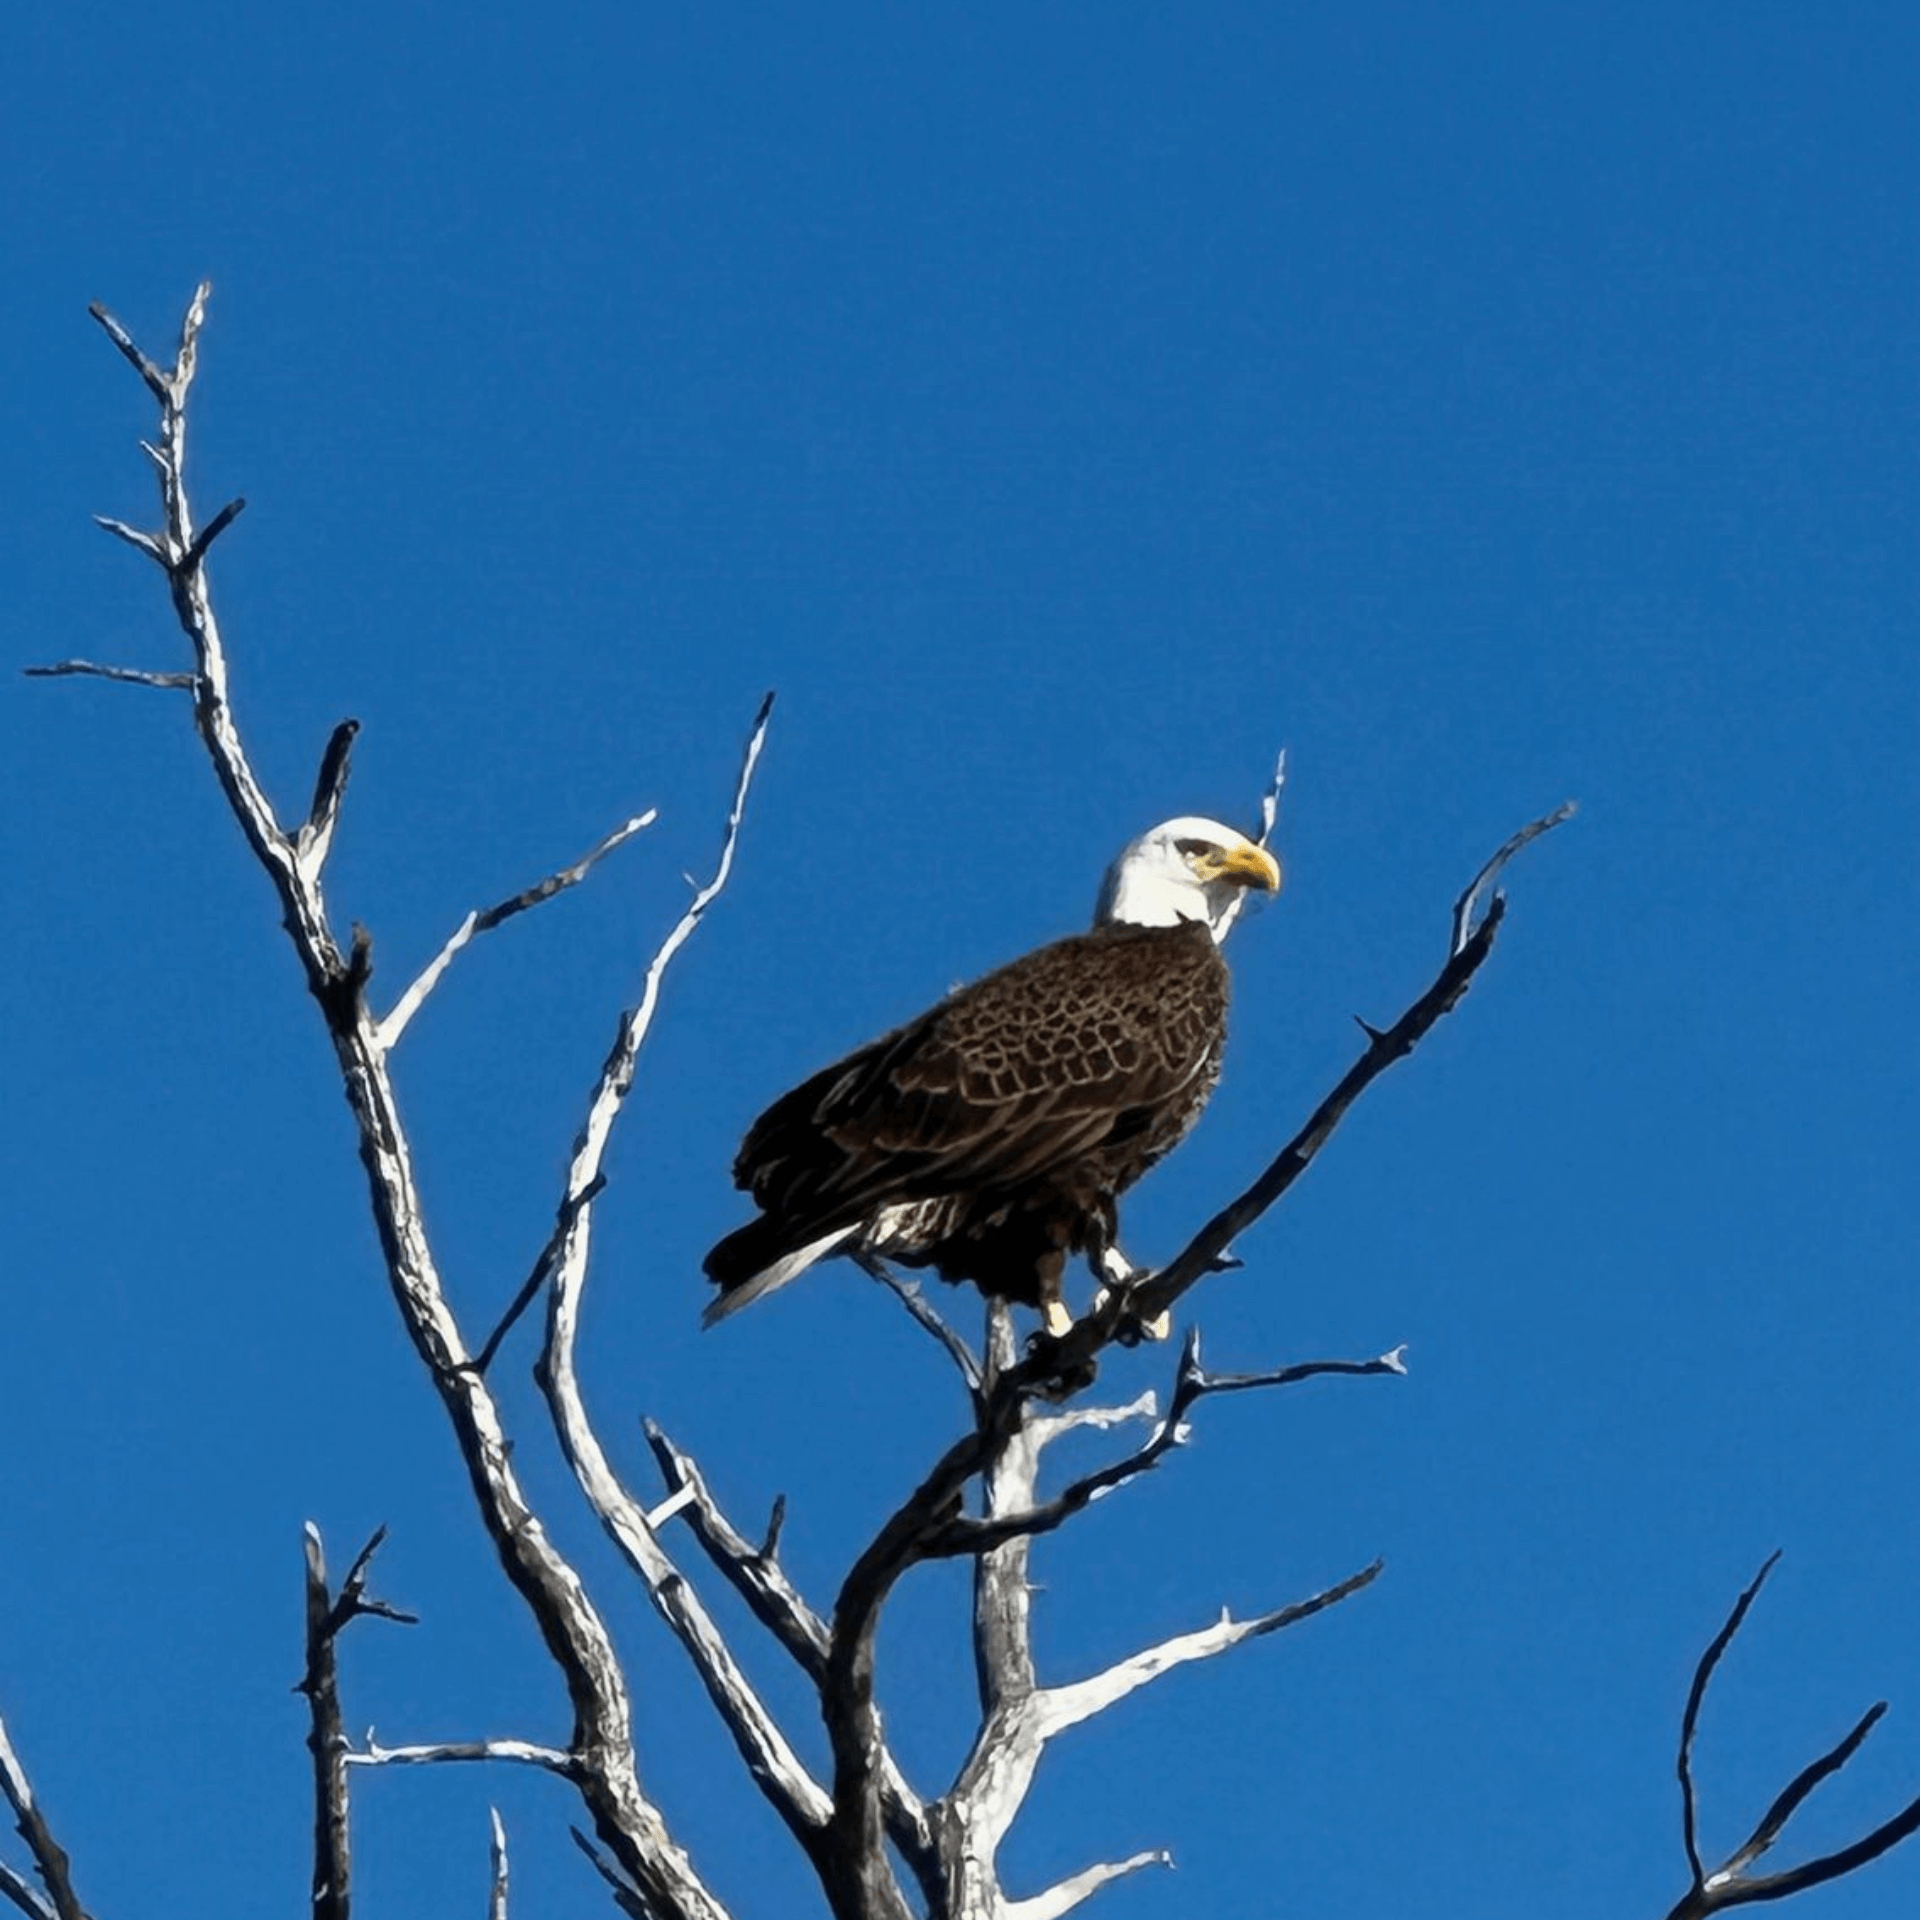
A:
(1185, 869)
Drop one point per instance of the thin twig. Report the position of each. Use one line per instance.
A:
(910, 1296)
(485, 920)
(626, 1897)
(328, 1615)
(1079, 1700)
(1690, 1717)
(129, 676)
(751, 1571)
(1796, 1790)
(1463, 908)
(570, 1208)
(1270, 800)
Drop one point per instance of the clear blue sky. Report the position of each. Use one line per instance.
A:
(1063, 407)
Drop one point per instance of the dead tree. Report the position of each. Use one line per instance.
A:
(881, 1847)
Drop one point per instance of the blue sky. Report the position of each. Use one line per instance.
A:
(1063, 407)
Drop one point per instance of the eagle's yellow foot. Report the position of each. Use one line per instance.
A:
(1159, 1326)
(1059, 1322)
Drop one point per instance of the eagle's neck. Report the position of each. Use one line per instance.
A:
(1139, 894)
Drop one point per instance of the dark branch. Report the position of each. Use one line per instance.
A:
(1690, 1717)
(330, 784)
(567, 1218)
(751, 1571)
(211, 532)
(1159, 1291)
(158, 384)
(327, 1617)
(60, 1899)
(1799, 1787)
(1730, 1885)
(21, 1892)
(916, 1303)
(627, 1897)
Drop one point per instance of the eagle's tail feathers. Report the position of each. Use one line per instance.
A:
(752, 1286)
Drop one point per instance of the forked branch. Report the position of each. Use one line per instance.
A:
(1730, 1884)
(328, 1616)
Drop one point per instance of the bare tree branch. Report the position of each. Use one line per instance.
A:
(497, 1862)
(777, 1604)
(523, 1753)
(627, 1897)
(1730, 1885)
(328, 1616)
(1069, 1893)
(158, 384)
(962, 1534)
(751, 1571)
(329, 789)
(571, 1206)
(1019, 1716)
(1696, 1695)
(924, 1313)
(1464, 907)
(485, 920)
(629, 1825)
(129, 676)
(24, 1895)
(1269, 811)
(49, 1857)
(770, 1758)
(1067, 1706)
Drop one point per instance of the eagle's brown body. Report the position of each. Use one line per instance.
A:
(990, 1138)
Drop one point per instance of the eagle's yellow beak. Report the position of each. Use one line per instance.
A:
(1252, 866)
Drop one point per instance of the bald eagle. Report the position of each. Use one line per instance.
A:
(990, 1138)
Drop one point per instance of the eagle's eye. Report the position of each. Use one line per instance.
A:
(1193, 849)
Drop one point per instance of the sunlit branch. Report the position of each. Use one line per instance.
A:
(485, 920)
(497, 1865)
(130, 676)
(1067, 1894)
(524, 1753)
(1068, 1705)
